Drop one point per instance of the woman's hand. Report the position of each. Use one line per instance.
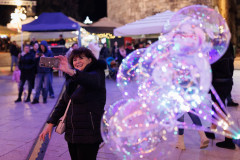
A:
(47, 130)
(64, 66)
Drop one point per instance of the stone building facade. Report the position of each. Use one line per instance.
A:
(126, 11)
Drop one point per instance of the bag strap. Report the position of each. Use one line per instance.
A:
(65, 114)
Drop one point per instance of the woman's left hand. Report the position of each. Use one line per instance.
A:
(63, 66)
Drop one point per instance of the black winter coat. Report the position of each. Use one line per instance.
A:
(222, 70)
(14, 50)
(27, 65)
(87, 92)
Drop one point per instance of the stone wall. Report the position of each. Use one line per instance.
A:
(131, 10)
(126, 11)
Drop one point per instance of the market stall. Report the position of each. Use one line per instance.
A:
(150, 26)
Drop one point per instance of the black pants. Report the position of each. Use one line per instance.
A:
(23, 79)
(223, 90)
(83, 151)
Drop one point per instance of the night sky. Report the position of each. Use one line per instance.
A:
(77, 9)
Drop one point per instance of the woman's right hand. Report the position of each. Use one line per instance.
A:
(63, 66)
(47, 130)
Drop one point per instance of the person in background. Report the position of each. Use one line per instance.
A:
(26, 65)
(33, 42)
(50, 88)
(115, 50)
(204, 141)
(85, 87)
(230, 102)
(14, 50)
(222, 81)
(16, 76)
(61, 41)
(34, 51)
(129, 49)
(43, 74)
(74, 46)
(104, 53)
(121, 54)
(35, 48)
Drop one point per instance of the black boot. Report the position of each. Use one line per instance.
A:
(35, 101)
(232, 104)
(228, 144)
(44, 100)
(29, 94)
(210, 135)
(19, 96)
(18, 100)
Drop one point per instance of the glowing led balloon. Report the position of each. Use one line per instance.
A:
(155, 64)
(166, 80)
(219, 117)
(200, 29)
(127, 79)
(108, 114)
(133, 130)
(192, 76)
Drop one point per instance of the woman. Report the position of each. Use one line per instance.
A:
(204, 141)
(26, 65)
(121, 54)
(74, 46)
(86, 89)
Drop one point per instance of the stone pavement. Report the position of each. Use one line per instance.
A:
(21, 123)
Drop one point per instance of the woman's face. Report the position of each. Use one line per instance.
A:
(26, 49)
(81, 62)
(75, 46)
(36, 46)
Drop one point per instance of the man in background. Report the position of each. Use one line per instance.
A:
(61, 41)
(14, 50)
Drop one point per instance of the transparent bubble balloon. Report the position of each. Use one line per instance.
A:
(127, 79)
(167, 105)
(201, 29)
(133, 131)
(155, 64)
(108, 114)
(192, 77)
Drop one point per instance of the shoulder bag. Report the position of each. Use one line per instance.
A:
(60, 129)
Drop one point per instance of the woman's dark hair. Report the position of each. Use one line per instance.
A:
(80, 52)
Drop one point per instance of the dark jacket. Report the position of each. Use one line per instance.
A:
(119, 57)
(104, 53)
(87, 92)
(222, 70)
(114, 51)
(27, 63)
(128, 50)
(14, 50)
(47, 53)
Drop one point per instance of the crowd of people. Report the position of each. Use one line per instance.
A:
(27, 67)
(119, 52)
